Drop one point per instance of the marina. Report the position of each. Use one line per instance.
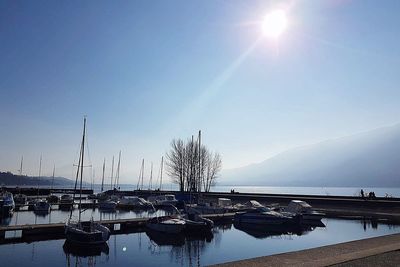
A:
(356, 218)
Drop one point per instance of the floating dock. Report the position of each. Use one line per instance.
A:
(39, 232)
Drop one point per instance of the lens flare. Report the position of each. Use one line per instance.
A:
(274, 23)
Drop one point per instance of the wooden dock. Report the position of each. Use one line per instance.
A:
(40, 232)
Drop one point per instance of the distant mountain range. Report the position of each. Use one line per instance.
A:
(8, 178)
(369, 159)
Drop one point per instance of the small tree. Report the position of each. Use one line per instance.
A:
(193, 167)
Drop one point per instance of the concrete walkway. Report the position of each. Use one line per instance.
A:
(355, 253)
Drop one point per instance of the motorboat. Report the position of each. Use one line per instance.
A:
(195, 223)
(20, 199)
(223, 205)
(299, 207)
(41, 206)
(163, 200)
(166, 224)
(107, 205)
(265, 216)
(90, 232)
(7, 204)
(53, 199)
(133, 202)
(66, 202)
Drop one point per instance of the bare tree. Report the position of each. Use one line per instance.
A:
(192, 166)
(176, 163)
(213, 167)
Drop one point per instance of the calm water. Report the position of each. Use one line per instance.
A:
(227, 244)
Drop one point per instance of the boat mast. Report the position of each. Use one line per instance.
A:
(118, 167)
(40, 170)
(138, 182)
(112, 172)
(52, 181)
(199, 181)
(20, 168)
(76, 183)
(83, 153)
(102, 180)
(161, 171)
(151, 176)
(142, 173)
(93, 175)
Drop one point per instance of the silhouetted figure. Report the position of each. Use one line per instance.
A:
(362, 193)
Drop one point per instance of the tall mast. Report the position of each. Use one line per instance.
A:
(199, 181)
(20, 168)
(161, 170)
(142, 173)
(112, 172)
(76, 184)
(52, 181)
(151, 176)
(119, 165)
(102, 180)
(93, 175)
(83, 153)
(40, 170)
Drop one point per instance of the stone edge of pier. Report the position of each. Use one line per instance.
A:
(326, 255)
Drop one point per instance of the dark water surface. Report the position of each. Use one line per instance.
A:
(228, 243)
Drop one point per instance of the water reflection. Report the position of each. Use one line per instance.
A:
(184, 249)
(75, 253)
(262, 231)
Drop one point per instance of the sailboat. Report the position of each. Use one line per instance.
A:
(40, 206)
(89, 233)
(52, 198)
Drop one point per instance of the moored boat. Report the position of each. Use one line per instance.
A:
(133, 202)
(41, 206)
(86, 233)
(53, 199)
(163, 200)
(197, 224)
(265, 216)
(166, 224)
(7, 204)
(20, 199)
(66, 202)
(107, 205)
(304, 209)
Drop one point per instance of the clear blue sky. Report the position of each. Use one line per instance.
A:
(145, 72)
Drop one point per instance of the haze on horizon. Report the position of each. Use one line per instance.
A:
(147, 73)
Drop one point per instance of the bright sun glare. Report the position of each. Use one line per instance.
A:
(274, 23)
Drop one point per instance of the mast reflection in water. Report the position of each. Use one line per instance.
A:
(78, 252)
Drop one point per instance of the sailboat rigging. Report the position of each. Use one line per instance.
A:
(84, 232)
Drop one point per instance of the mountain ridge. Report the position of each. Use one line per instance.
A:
(368, 158)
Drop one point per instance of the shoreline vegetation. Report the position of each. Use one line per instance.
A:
(8, 178)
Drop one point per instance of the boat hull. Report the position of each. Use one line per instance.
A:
(166, 225)
(90, 235)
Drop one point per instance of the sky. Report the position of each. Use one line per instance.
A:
(145, 72)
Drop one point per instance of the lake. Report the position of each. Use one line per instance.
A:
(228, 243)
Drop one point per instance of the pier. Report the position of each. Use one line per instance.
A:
(40, 232)
(365, 252)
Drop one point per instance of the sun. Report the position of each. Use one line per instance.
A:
(274, 23)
